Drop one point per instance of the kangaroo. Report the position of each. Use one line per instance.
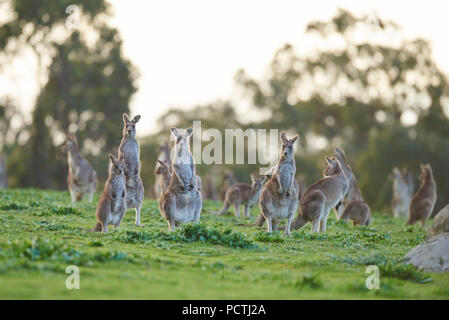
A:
(243, 194)
(81, 178)
(279, 199)
(354, 207)
(228, 181)
(112, 205)
(358, 212)
(164, 156)
(353, 193)
(129, 150)
(320, 197)
(423, 201)
(402, 192)
(182, 201)
(163, 170)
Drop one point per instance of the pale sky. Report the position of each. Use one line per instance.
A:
(187, 52)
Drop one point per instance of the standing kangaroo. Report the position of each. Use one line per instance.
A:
(81, 178)
(112, 205)
(423, 201)
(354, 208)
(130, 152)
(182, 201)
(279, 199)
(163, 170)
(402, 192)
(164, 156)
(321, 197)
(243, 194)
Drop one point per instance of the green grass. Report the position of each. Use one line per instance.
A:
(41, 233)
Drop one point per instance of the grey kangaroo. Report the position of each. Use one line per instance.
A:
(403, 188)
(182, 201)
(112, 205)
(354, 207)
(320, 197)
(279, 199)
(130, 152)
(81, 178)
(243, 194)
(164, 157)
(423, 201)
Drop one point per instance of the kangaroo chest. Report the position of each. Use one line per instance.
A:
(285, 173)
(130, 151)
(118, 194)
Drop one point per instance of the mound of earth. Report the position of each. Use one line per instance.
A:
(432, 255)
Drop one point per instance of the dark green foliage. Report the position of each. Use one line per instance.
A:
(309, 280)
(190, 233)
(403, 271)
(264, 236)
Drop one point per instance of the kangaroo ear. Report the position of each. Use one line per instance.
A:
(174, 132)
(330, 161)
(125, 118)
(189, 131)
(113, 160)
(422, 166)
(136, 119)
(283, 136)
(253, 179)
(293, 140)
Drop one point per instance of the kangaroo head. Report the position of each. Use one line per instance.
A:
(287, 146)
(332, 167)
(257, 184)
(426, 172)
(71, 143)
(117, 165)
(341, 157)
(129, 126)
(182, 139)
(162, 169)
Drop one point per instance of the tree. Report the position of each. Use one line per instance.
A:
(88, 86)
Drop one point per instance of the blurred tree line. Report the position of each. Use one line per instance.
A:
(372, 92)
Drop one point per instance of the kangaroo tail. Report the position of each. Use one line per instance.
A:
(258, 223)
(224, 209)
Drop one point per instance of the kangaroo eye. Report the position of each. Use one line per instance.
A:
(113, 195)
(179, 139)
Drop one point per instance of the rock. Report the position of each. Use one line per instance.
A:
(432, 255)
(440, 223)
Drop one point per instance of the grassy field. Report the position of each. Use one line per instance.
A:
(41, 233)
